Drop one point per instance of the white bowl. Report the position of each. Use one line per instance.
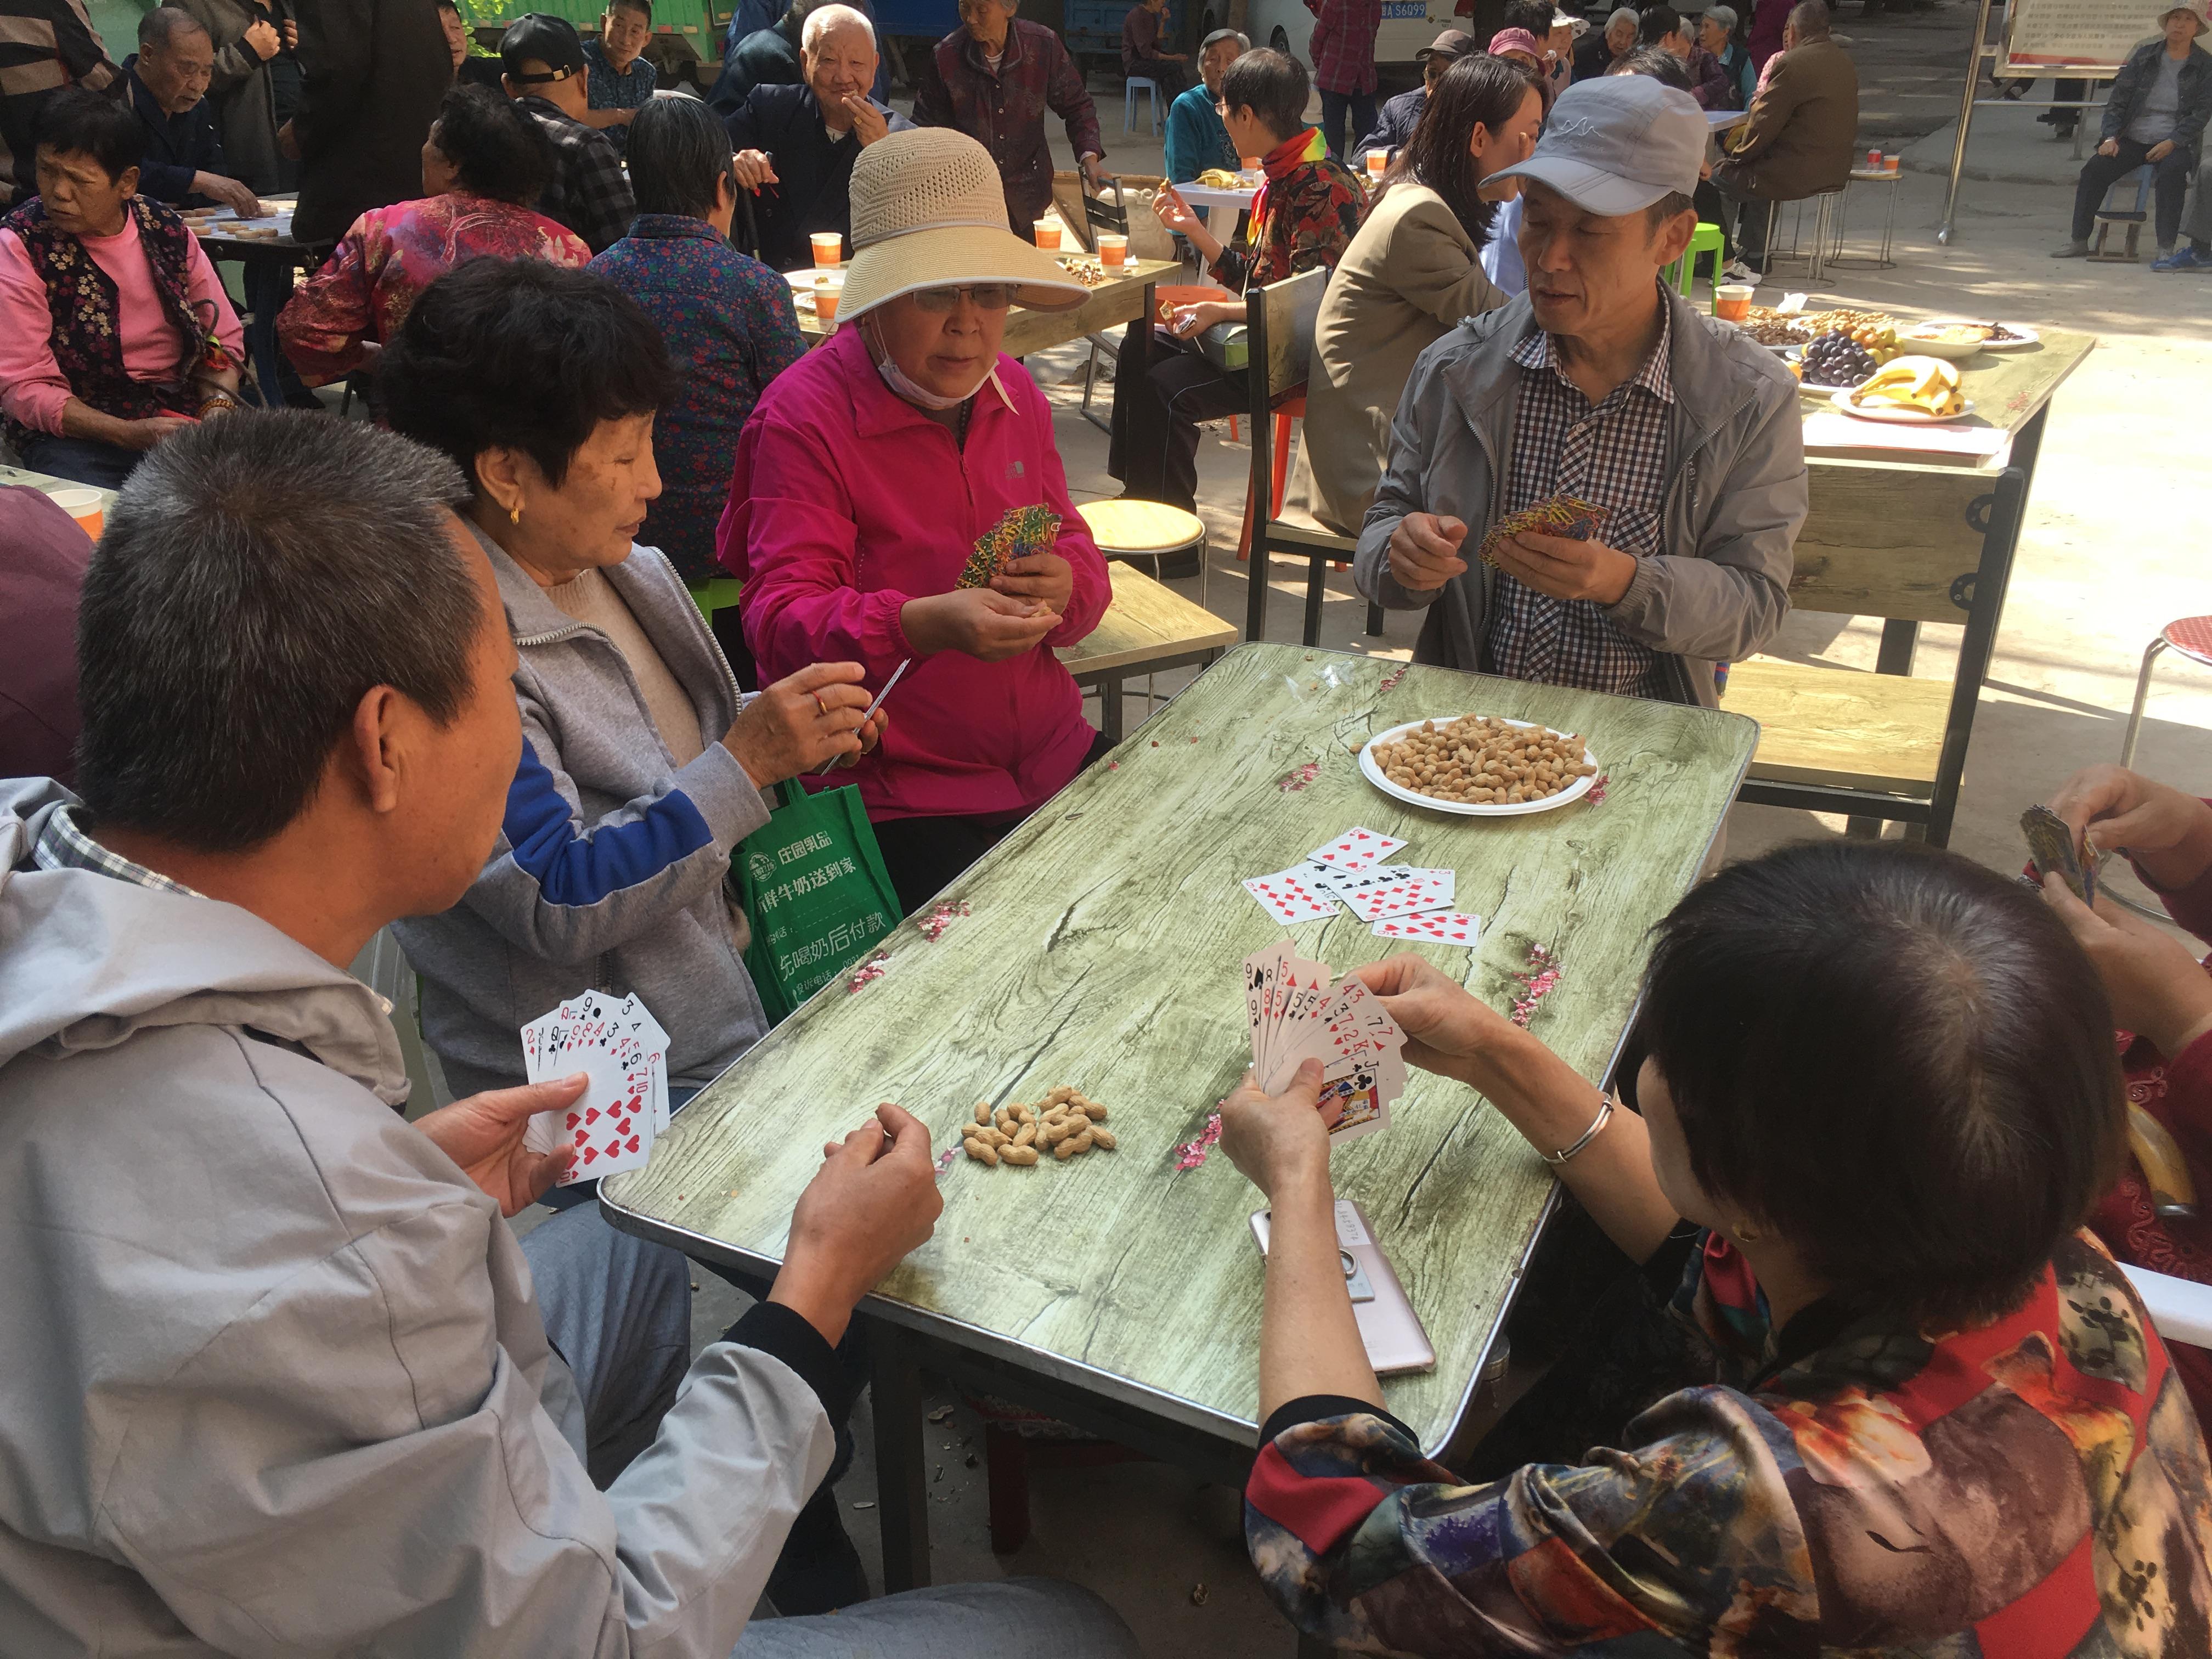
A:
(1953, 351)
(1372, 771)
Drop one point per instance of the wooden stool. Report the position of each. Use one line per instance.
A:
(1148, 627)
(1126, 529)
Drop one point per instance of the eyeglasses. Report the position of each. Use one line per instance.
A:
(985, 296)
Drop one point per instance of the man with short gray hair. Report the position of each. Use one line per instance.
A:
(1196, 139)
(804, 139)
(286, 1381)
(1602, 384)
(168, 80)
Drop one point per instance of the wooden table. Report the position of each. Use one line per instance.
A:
(1104, 951)
(48, 481)
(1149, 627)
(1121, 300)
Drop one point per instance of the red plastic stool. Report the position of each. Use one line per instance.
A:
(2192, 637)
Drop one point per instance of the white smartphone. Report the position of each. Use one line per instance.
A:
(1388, 1326)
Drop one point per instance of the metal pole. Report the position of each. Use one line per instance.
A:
(1966, 122)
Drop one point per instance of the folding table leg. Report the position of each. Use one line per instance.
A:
(901, 1484)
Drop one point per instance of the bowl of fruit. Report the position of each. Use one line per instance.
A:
(1835, 362)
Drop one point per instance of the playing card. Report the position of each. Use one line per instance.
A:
(1302, 1015)
(1356, 849)
(1562, 515)
(1394, 890)
(1020, 532)
(622, 1050)
(2051, 846)
(1262, 969)
(1290, 896)
(1435, 928)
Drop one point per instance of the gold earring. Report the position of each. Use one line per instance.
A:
(1746, 1233)
(515, 514)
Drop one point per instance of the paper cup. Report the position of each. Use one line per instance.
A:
(828, 247)
(826, 295)
(1377, 161)
(1732, 301)
(1889, 163)
(1048, 234)
(83, 506)
(1113, 248)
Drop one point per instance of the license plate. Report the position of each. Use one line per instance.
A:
(1399, 10)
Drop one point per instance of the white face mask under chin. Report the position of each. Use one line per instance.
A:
(902, 385)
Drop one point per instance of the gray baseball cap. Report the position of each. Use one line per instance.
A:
(1617, 143)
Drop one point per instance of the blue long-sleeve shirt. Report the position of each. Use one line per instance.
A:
(1196, 139)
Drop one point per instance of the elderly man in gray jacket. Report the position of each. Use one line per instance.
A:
(280, 1380)
(1597, 383)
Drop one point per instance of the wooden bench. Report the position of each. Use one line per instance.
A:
(1909, 545)
(1149, 627)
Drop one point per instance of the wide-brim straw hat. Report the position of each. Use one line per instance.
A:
(929, 211)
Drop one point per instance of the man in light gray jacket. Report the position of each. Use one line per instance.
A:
(1598, 383)
(280, 1379)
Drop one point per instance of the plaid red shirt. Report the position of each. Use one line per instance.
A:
(1003, 108)
(1343, 44)
(1304, 218)
(1613, 453)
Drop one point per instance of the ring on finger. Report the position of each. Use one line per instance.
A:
(819, 704)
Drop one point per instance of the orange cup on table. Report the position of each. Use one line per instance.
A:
(1113, 250)
(827, 292)
(828, 247)
(83, 506)
(1732, 301)
(1378, 162)
(1047, 233)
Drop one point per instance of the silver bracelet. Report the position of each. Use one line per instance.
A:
(1604, 1116)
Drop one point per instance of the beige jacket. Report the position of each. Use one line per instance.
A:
(1409, 278)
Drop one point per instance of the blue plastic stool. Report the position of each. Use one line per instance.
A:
(1151, 103)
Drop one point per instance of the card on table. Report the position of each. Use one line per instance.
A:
(622, 1051)
(1292, 895)
(1394, 890)
(1433, 927)
(1356, 849)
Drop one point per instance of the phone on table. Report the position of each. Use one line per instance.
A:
(1388, 1326)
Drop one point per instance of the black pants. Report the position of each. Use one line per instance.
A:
(924, 856)
(2169, 178)
(1169, 77)
(1157, 410)
(1334, 107)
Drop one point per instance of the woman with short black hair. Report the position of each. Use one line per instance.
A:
(1869, 1101)
(1412, 275)
(114, 330)
(483, 163)
(728, 322)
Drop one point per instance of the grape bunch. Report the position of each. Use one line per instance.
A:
(1837, 360)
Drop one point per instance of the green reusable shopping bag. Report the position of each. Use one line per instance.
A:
(814, 887)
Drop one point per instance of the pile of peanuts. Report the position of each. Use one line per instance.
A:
(1063, 1123)
(1479, 761)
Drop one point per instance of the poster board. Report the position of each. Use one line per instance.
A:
(2089, 38)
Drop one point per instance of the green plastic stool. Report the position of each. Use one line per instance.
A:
(718, 594)
(1706, 239)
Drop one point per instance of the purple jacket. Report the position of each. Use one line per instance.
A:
(1004, 110)
(43, 556)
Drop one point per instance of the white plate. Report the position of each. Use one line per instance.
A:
(2028, 337)
(804, 278)
(1373, 772)
(1902, 417)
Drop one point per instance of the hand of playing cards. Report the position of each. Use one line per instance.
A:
(624, 1052)
(1562, 515)
(1297, 1015)
(1020, 532)
(1399, 901)
(2051, 846)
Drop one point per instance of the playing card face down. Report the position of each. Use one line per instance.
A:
(1562, 515)
(2051, 846)
(1020, 532)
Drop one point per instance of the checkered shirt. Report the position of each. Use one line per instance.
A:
(62, 846)
(1613, 453)
(588, 192)
(1342, 45)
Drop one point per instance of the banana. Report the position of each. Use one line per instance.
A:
(1929, 384)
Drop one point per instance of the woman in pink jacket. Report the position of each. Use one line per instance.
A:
(863, 481)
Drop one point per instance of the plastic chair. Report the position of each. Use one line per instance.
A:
(1705, 238)
(2192, 637)
(1151, 103)
(2134, 218)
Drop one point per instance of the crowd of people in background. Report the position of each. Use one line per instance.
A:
(455, 670)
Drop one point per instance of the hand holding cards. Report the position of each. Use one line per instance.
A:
(624, 1053)
(2051, 846)
(1295, 1013)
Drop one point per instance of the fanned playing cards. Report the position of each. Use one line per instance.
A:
(624, 1052)
(1562, 515)
(1297, 1011)
(2051, 846)
(1020, 532)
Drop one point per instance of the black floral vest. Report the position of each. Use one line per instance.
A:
(88, 325)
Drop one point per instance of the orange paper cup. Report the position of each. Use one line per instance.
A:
(826, 295)
(1047, 233)
(1113, 249)
(828, 247)
(83, 506)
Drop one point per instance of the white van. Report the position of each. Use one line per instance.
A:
(1287, 26)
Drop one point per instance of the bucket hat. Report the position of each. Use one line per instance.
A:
(929, 211)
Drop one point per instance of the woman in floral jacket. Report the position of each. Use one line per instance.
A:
(1870, 1098)
(483, 160)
